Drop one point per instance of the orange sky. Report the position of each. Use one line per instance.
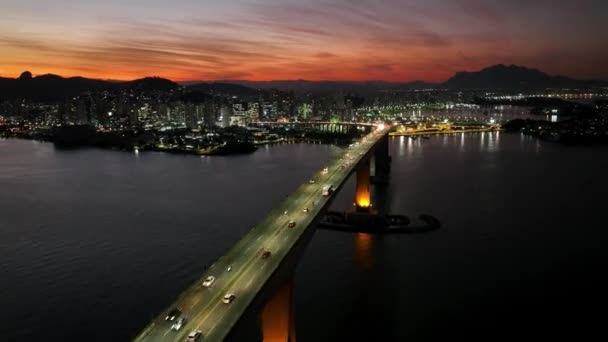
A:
(390, 40)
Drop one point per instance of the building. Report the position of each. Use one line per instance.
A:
(304, 111)
(253, 112)
(209, 117)
(238, 120)
(225, 115)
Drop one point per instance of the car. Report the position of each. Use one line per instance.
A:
(305, 210)
(266, 254)
(327, 190)
(178, 324)
(208, 281)
(325, 170)
(194, 336)
(291, 224)
(173, 314)
(312, 181)
(229, 268)
(228, 298)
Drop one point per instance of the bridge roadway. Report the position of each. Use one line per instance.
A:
(203, 307)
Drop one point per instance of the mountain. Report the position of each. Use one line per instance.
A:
(50, 88)
(513, 77)
(151, 84)
(47, 87)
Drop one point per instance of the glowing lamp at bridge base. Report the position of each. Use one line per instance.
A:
(363, 205)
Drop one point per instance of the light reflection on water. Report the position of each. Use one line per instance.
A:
(363, 247)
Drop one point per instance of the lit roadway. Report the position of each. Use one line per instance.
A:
(203, 307)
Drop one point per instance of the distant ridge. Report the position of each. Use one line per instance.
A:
(513, 77)
(51, 87)
(47, 87)
(150, 84)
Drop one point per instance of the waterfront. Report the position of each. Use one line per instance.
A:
(105, 239)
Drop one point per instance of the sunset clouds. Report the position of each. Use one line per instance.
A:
(395, 40)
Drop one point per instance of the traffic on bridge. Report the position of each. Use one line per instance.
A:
(209, 309)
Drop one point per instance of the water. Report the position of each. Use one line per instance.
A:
(94, 242)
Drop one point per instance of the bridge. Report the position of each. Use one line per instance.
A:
(323, 126)
(262, 283)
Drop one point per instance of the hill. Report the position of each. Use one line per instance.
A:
(48, 87)
(151, 84)
(513, 77)
(52, 88)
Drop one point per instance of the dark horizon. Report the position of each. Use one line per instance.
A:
(194, 81)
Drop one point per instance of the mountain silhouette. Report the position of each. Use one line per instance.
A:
(47, 87)
(53, 88)
(147, 84)
(513, 77)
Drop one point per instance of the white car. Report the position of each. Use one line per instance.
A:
(305, 210)
(194, 336)
(228, 298)
(178, 324)
(208, 281)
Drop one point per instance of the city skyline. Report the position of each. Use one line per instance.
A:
(323, 40)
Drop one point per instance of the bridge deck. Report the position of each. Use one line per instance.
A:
(203, 307)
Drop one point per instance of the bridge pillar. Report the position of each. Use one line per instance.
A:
(382, 161)
(362, 195)
(278, 316)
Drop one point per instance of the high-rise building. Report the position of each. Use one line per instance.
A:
(239, 114)
(349, 111)
(253, 112)
(192, 117)
(209, 114)
(238, 120)
(86, 110)
(162, 113)
(304, 111)
(225, 115)
(340, 106)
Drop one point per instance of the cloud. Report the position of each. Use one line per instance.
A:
(324, 55)
(317, 39)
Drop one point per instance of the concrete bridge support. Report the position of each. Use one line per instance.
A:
(382, 161)
(362, 194)
(278, 316)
